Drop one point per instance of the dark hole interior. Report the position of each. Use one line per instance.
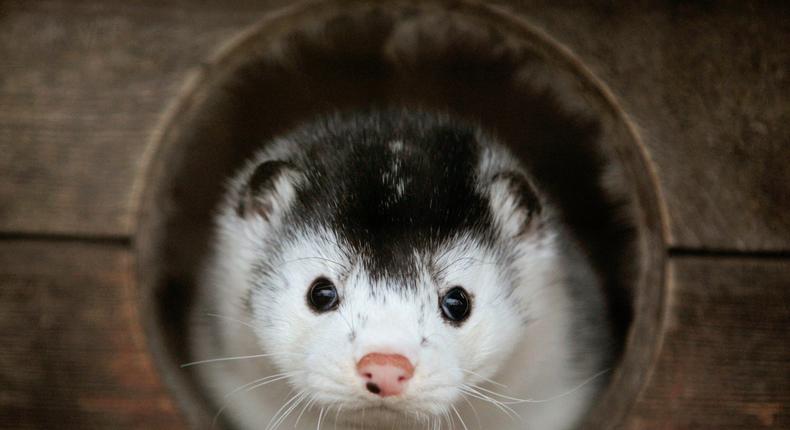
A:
(442, 60)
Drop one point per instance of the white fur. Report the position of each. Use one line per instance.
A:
(523, 339)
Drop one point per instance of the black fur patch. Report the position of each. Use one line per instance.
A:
(353, 174)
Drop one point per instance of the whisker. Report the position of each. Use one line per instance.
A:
(474, 410)
(446, 415)
(225, 317)
(219, 412)
(295, 260)
(507, 410)
(320, 417)
(306, 406)
(270, 378)
(491, 381)
(241, 357)
(494, 393)
(274, 378)
(475, 260)
(292, 408)
(280, 415)
(294, 403)
(337, 414)
(446, 266)
(571, 391)
(279, 378)
(463, 424)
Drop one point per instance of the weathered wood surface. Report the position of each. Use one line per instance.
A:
(82, 86)
(708, 85)
(725, 358)
(73, 353)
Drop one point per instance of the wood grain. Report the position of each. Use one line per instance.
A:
(708, 85)
(73, 353)
(82, 87)
(84, 84)
(725, 358)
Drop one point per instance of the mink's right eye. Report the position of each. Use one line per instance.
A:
(322, 295)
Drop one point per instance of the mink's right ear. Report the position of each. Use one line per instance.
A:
(269, 190)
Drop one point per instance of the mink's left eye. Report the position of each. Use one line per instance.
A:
(455, 305)
(322, 295)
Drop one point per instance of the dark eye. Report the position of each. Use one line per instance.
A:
(455, 305)
(322, 295)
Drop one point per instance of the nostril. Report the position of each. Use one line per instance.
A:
(401, 378)
(373, 388)
(368, 375)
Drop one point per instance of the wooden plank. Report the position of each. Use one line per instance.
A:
(83, 84)
(707, 84)
(82, 87)
(725, 358)
(73, 353)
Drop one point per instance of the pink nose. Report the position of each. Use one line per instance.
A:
(385, 374)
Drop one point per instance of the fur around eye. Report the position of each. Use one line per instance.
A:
(456, 305)
(322, 295)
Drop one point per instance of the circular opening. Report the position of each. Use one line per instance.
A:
(474, 61)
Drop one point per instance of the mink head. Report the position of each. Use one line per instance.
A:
(391, 260)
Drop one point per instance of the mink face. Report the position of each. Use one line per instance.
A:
(387, 267)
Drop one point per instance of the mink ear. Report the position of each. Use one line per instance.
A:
(269, 190)
(514, 203)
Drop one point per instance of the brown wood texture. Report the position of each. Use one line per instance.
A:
(725, 358)
(82, 87)
(708, 85)
(73, 353)
(80, 99)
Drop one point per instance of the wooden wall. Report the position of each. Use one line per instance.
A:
(84, 84)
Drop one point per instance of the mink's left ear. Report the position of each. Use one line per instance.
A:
(515, 204)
